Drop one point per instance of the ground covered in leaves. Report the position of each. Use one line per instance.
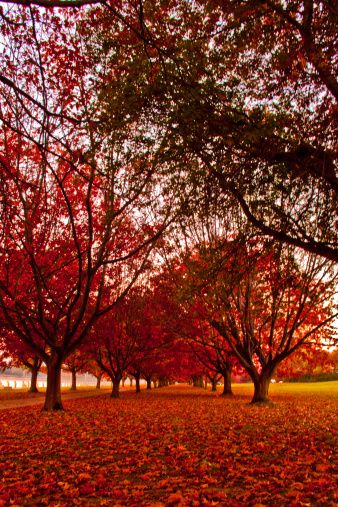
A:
(177, 446)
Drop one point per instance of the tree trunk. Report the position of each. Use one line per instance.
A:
(261, 385)
(214, 381)
(123, 381)
(227, 390)
(73, 386)
(34, 379)
(116, 388)
(148, 383)
(131, 382)
(53, 392)
(98, 382)
(137, 380)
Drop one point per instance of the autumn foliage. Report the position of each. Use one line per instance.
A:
(168, 212)
(118, 121)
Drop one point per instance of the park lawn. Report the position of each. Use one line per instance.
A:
(177, 446)
(292, 388)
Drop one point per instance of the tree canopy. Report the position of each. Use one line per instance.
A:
(128, 130)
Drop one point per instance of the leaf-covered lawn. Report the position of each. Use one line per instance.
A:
(176, 446)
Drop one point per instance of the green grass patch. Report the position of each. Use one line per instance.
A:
(304, 388)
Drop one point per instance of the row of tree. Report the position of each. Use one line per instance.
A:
(243, 306)
(200, 131)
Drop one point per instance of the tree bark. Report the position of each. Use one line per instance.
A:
(116, 388)
(73, 386)
(214, 384)
(98, 382)
(261, 388)
(131, 382)
(148, 383)
(53, 392)
(227, 390)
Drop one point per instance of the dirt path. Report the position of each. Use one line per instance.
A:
(38, 399)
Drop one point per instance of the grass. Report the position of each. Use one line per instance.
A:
(294, 388)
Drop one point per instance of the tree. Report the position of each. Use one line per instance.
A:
(251, 110)
(149, 332)
(76, 363)
(76, 217)
(120, 341)
(308, 361)
(100, 128)
(267, 119)
(287, 131)
(212, 351)
(264, 300)
(93, 368)
(15, 353)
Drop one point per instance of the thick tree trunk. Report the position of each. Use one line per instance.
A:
(34, 378)
(53, 392)
(227, 390)
(116, 388)
(148, 383)
(98, 382)
(214, 381)
(73, 386)
(261, 388)
(137, 380)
